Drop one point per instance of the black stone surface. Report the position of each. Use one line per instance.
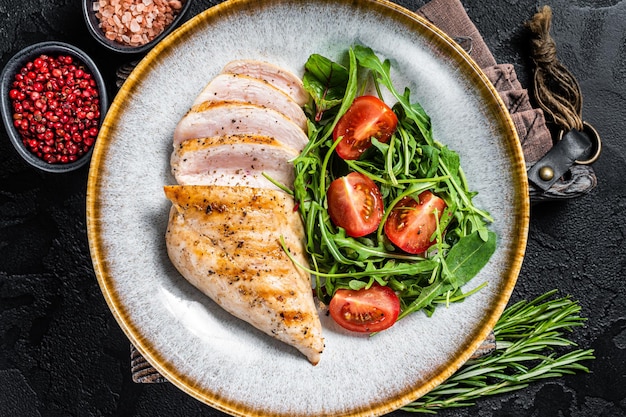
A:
(63, 354)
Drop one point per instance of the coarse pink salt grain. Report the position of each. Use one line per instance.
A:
(134, 26)
(135, 22)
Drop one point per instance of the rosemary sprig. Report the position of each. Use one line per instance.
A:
(526, 335)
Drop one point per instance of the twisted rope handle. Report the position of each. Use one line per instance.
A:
(556, 90)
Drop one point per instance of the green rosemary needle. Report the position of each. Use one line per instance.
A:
(526, 336)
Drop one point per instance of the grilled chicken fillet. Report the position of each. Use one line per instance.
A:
(280, 78)
(225, 240)
(244, 89)
(227, 118)
(233, 160)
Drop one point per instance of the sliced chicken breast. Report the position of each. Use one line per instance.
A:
(233, 160)
(278, 77)
(225, 241)
(224, 118)
(244, 89)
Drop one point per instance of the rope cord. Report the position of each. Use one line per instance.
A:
(556, 90)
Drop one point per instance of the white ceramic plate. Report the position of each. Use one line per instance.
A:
(189, 339)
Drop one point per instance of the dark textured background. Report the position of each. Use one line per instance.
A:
(62, 353)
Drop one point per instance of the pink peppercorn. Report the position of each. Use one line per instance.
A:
(46, 114)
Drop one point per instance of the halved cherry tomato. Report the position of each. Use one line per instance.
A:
(366, 310)
(411, 223)
(367, 117)
(355, 203)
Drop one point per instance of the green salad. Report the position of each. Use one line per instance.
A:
(390, 225)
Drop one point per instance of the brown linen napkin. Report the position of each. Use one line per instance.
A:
(534, 135)
(450, 17)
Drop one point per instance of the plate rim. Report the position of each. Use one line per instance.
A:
(98, 252)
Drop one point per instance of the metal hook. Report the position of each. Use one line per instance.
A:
(596, 144)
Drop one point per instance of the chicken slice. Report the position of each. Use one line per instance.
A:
(225, 118)
(278, 77)
(244, 89)
(233, 160)
(225, 242)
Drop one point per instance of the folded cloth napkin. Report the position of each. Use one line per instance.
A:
(530, 123)
(534, 135)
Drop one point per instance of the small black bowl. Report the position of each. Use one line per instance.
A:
(15, 64)
(93, 24)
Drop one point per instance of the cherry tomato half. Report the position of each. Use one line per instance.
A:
(366, 310)
(411, 222)
(367, 117)
(355, 203)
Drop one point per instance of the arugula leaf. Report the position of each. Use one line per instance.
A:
(426, 297)
(469, 255)
(326, 82)
(452, 161)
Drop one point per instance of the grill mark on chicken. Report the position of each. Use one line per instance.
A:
(207, 225)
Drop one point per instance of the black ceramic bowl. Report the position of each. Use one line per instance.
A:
(15, 64)
(93, 24)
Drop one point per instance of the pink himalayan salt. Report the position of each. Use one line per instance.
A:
(135, 22)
